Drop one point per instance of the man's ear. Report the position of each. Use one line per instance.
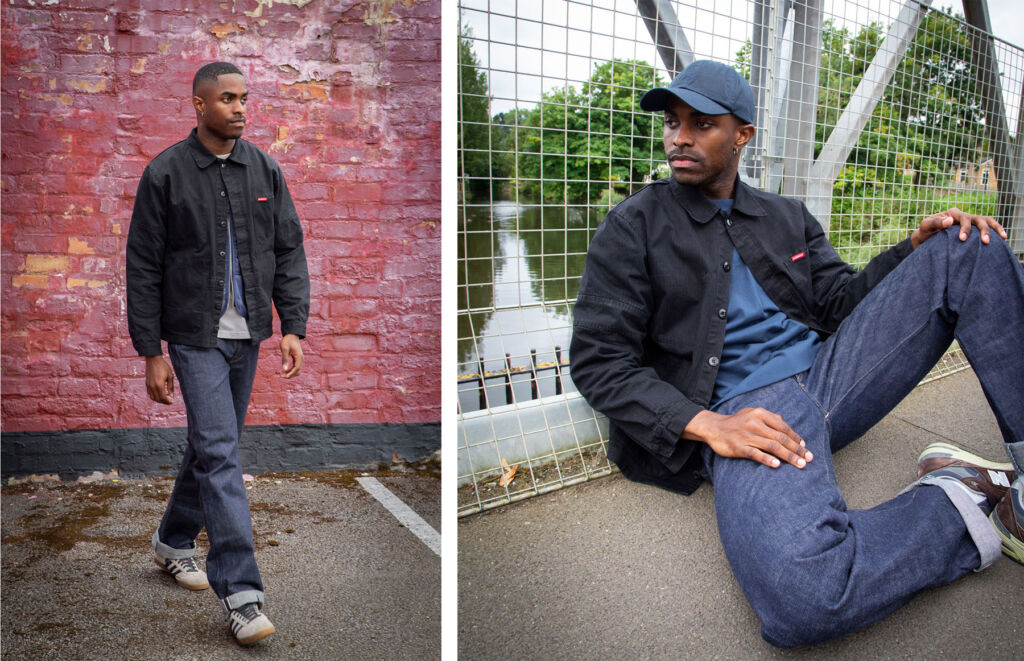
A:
(744, 134)
(199, 103)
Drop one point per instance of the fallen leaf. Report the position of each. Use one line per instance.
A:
(508, 475)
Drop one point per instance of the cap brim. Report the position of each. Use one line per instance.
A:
(658, 99)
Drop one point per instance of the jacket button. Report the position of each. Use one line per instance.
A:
(223, 223)
(726, 266)
(222, 193)
(220, 282)
(713, 361)
(223, 165)
(722, 313)
(728, 221)
(222, 253)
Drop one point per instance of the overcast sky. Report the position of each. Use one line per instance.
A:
(1007, 20)
(553, 43)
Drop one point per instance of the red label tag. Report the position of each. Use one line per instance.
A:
(261, 199)
(799, 255)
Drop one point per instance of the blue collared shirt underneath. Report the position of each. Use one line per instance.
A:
(762, 345)
(233, 286)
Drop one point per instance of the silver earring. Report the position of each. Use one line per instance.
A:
(735, 151)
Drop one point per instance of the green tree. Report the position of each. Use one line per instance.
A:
(936, 95)
(474, 168)
(577, 146)
(930, 116)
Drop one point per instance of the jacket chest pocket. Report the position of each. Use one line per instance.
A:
(798, 272)
(678, 293)
(677, 285)
(189, 227)
(263, 219)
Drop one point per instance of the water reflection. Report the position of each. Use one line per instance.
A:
(519, 272)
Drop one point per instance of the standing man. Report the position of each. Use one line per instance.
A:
(214, 239)
(725, 340)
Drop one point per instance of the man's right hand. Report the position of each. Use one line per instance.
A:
(159, 380)
(754, 434)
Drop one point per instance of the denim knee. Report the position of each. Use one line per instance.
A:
(800, 616)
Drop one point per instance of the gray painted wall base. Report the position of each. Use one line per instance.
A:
(152, 451)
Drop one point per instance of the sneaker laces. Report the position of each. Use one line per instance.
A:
(247, 612)
(188, 564)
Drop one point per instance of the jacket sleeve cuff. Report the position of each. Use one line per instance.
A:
(297, 328)
(682, 448)
(680, 417)
(669, 430)
(149, 349)
(903, 248)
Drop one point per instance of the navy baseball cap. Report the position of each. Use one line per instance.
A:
(709, 87)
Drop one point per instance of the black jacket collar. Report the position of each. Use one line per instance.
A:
(203, 157)
(701, 209)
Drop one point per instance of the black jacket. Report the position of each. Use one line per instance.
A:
(649, 320)
(177, 242)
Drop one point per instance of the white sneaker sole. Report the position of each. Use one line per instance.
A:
(195, 586)
(258, 636)
(947, 451)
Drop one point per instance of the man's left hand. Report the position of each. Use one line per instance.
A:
(934, 224)
(291, 356)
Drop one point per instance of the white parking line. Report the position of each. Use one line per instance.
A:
(405, 515)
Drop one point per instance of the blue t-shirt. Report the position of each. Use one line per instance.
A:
(762, 345)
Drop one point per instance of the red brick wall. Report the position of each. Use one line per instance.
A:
(345, 95)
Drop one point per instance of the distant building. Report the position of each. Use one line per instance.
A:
(976, 176)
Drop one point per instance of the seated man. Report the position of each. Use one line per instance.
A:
(725, 340)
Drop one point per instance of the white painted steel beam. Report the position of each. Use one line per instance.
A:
(802, 101)
(860, 108)
(1007, 171)
(775, 140)
(661, 21)
(1016, 222)
(766, 79)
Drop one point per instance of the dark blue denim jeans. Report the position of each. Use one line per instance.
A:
(813, 570)
(215, 385)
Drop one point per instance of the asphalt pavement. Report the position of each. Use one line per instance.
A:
(344, 578)
(612, 569)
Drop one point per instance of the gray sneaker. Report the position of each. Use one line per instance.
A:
(184, 570)
(1008, 519)
(989, 478)
(249, 624)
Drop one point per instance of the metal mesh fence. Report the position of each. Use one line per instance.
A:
(875, 113)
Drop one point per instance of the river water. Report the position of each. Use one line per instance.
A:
(519, 272)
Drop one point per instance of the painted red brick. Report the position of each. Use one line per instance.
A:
(345, 97)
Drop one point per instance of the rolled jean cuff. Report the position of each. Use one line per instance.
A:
(982, 533)
(1016, 452)
(171, 553)
(239, 599)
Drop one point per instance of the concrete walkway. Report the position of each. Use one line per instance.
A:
(612, 569)
(344, 579)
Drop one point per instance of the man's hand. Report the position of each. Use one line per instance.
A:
(934, 224)
(754, 434)
(159, 380)
(291, 356)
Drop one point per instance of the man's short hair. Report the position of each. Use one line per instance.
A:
(210, 72)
